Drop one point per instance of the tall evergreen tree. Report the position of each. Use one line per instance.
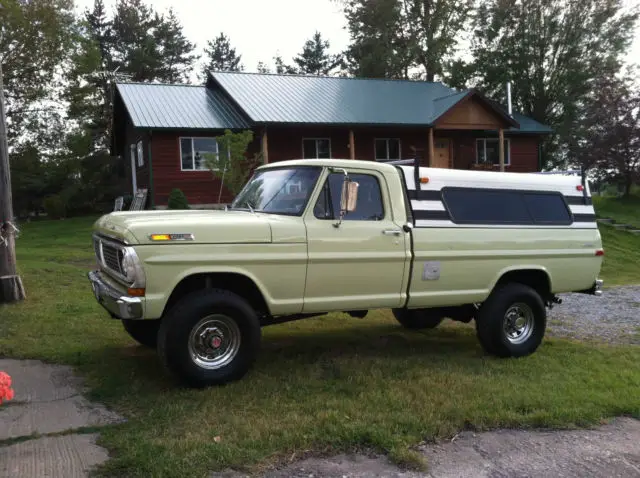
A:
(220, 56)
(315, 58)
(175, 50)
(262, 67)
(135, 49)
(552, 51)
(282, 68)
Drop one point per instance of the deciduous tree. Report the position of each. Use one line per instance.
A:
(404, 38)
(553, 52)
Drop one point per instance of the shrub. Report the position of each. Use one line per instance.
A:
(55, 206)
(177, 200)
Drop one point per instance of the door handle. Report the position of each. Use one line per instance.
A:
(392, 232)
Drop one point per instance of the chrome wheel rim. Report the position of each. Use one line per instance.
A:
(518, 323)
(214, 342)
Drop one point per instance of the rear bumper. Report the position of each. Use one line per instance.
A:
(118, 305)
(595, 289)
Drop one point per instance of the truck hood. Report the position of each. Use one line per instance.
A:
(208, 226)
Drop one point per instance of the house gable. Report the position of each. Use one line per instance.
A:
(474, 114)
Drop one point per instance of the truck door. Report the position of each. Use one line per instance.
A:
(361, 263)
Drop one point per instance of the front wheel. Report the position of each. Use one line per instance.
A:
(210, 337)
(512, 322)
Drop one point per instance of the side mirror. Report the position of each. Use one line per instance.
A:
(348, 198)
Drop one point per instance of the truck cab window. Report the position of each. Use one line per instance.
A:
(368, 208)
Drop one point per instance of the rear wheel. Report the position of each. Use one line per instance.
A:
(512, 322)
(418, 318)
(210, 337)
(145, 332)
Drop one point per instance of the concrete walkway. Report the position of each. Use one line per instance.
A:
(45, 432)
(41, 429)
(609, 451)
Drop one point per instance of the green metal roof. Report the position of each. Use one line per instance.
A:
(300, 99)
(158, 106)
(237, 100)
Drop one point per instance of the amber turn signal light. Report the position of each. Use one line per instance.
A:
(136, 292)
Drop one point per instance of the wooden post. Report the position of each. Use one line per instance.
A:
(265, 146)
(11, 289)
(501, 148)
(352, 145)
(432, 153)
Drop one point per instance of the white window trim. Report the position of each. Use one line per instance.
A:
(140, 153)
(316, 140)
(507, 151)
(386, 140)
(193, 158)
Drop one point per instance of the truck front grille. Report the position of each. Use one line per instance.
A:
(109, 255)
(112, 257)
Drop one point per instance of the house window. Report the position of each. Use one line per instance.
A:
(140, 154)
(316, 148)
(387, 149)
(195, 151)
(487, 151)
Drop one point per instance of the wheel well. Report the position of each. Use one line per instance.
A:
(236, 283)
(534, 278)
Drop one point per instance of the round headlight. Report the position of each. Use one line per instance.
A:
(128, 265)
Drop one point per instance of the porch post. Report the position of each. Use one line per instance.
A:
(431, 153)
(265, 146)
(134, 174)
(501, 148)
(352, 145)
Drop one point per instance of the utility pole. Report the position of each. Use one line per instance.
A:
(11, 289)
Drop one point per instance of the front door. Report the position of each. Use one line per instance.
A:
(361, 263)
(441, 153)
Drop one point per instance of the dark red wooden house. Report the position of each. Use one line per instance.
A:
(161, 131)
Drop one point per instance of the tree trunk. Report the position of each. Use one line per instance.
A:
(11, 289)
(628, 183)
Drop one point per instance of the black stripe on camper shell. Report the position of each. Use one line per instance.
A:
(578, 200)
(584, 218)
(428, 195)
(421, 214)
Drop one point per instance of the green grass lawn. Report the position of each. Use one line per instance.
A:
(623, 210)
(320, 386)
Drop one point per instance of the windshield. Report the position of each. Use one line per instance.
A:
(278, 191)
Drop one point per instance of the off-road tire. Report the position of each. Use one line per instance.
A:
(184, 316)
(417, 319)
(145, 332)
(490, 321)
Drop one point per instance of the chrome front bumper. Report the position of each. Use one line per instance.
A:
(118, 305)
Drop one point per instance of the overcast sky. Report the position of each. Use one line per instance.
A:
(259, 29)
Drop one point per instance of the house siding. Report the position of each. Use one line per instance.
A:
(285, 143)
(200, 187)
(524, 152)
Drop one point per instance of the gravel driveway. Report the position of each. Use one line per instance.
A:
(613, 317)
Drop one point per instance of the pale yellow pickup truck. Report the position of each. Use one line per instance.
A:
(310, 237)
